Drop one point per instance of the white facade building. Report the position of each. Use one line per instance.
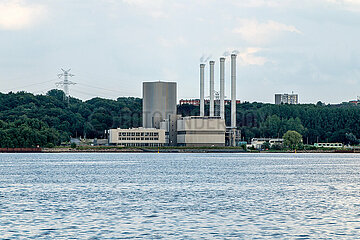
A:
(137, 137)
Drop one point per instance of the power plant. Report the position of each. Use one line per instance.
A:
(163, 127)
(232, 135)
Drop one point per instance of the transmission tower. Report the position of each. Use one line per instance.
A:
(65, 83)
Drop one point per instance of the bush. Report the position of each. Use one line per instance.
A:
(50, 145)
(266, 146)
(310, 147)
(73, 145)
(276, 147)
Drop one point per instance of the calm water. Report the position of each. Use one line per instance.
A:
(179, 196)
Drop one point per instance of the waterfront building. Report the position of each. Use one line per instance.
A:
(137, 137)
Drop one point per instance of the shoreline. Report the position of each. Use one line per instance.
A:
(168, 150)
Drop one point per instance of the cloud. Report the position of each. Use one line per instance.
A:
(350, 5)
(258, 3)
(154, 8)
(248, 57)
(16, 14)
(259, 33)
(168, 43)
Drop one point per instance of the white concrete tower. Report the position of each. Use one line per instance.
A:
(202, 90)
(222, 88)
(233, 90)
(212, 91)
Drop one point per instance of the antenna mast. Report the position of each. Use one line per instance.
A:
(65, 83)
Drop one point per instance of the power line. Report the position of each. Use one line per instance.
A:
(92, 94)
(30, 85)
(110, 90)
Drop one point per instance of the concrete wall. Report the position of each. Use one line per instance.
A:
(159, 101)
(196, 132)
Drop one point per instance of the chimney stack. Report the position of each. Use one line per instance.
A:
(233, 90)
(202, 90)
(222, 88)
(212, 91)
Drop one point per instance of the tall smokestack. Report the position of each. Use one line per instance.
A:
(233, 90)
(212, 83)
(222, 88)
(202, 90)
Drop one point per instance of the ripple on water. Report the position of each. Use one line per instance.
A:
(179, 196)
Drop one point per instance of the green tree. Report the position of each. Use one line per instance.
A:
(293, 139)
(266, 146)
(272, 126)
(351, 139)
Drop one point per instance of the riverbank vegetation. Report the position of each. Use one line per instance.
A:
(28, 120)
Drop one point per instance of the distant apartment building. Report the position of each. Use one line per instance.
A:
(137, 137)
(196, 102)
(286, 99)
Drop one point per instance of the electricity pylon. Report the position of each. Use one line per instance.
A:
(65, 83)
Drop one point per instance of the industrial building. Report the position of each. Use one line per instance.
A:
(162, 126)
(159, 101)
(355, 102)
(137, 137)
(201, 132)
(196, 102)
(196, 131)
(286, 98)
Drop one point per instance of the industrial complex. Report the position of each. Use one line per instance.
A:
(163, 127)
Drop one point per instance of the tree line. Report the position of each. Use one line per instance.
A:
(315, 122)
(28, 120)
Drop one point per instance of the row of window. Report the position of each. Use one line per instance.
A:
(329, 144)
(138, 134)
(142, 144)
(139, 139)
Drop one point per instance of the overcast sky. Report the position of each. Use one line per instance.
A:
(311, 47)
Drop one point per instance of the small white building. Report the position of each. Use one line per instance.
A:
(259, 142)
(137, 137)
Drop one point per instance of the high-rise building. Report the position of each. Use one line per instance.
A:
(286, 98)
(159, 102)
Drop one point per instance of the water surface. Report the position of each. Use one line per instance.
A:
(179, 196)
